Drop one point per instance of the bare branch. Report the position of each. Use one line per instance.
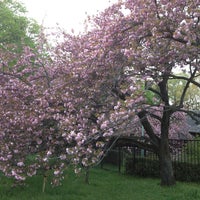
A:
(193, 114)
(185, 78)
(147, 126)
(154, 91)
(186, 88)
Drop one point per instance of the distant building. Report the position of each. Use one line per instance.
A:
(194, 126)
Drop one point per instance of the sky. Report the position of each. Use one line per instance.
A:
(68, 14)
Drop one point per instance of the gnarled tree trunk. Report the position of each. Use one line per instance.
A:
(166, 168)
(161, 146)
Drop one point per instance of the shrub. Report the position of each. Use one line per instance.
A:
(112, 158)
(150, 168)
(187, 171)
(142, 167)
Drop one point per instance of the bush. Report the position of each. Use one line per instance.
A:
(150, 168)
(112, 158)
(142, 167)
(187, 171)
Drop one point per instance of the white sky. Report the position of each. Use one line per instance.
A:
(67, 13)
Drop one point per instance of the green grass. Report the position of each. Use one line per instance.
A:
(104, 185)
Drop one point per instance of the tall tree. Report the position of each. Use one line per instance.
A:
(16, 30)
(192, 94)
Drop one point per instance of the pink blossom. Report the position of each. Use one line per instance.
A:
(56, 172)
(20, 164)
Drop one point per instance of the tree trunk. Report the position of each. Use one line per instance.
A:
(87, 170)
(166, 168)
(44, 183)
(161, 145)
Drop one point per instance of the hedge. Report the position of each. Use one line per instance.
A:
(150, 168)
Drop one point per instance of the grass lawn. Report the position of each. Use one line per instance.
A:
(104, 185)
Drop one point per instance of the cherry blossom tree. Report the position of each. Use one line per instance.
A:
(45, 123)
(62, 107)
(131, 44)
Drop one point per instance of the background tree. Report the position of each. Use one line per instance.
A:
(192, 94)
(16, 30)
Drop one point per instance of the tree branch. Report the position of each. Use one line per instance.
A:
(16, 77)
(154, 91)
(186, 88)
(148, 128)
(194, 115)
(163, 91)
(185, 78)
